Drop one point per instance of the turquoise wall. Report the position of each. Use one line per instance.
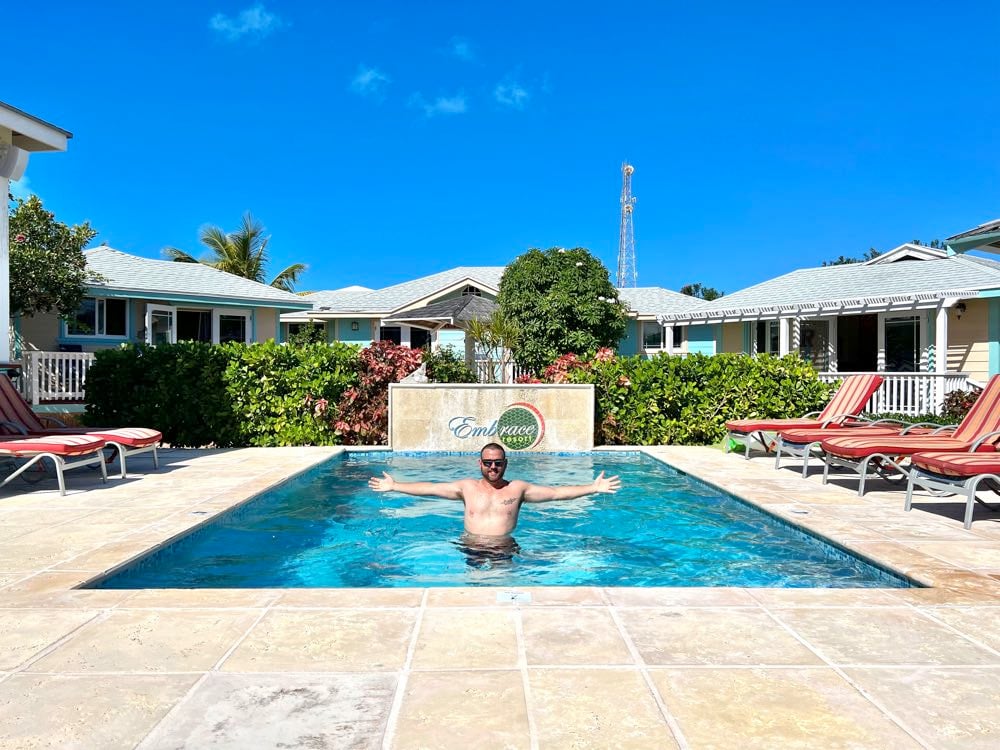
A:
(993, 331)
(702, 339)
(453, 339)
(629, 344)
(361, 336)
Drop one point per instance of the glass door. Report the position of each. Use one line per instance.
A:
(902, 344)
(161, 324)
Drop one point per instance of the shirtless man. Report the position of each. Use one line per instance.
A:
(492, 503)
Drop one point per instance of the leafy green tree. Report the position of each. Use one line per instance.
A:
(241, 253)
(48, 270)
(843, 260)
(706, 293)
(562, 301)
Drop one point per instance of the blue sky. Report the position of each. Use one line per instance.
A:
(382, 141)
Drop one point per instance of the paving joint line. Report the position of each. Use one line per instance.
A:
(404, 674)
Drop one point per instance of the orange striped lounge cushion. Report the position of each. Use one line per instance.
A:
(958, 464)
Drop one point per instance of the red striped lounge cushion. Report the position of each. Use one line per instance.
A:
(859, 447)
(958, 464)
(768, 425)
(60, 445)
(133, 437)
(803, 436)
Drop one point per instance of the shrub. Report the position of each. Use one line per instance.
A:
(284, 395)
(446, 366)
(958, 402)
(362, 414)
(179, 389)
(686, 401)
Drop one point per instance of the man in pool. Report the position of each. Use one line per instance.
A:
(493, 503)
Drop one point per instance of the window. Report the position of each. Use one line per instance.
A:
(768, 337)
(100, 317)
(194, 325)
(472, 291)
(652, 336)
(391, 333)
(232, 328)
(678, 337)
(420, 339)
(814, 343)
(902, 344)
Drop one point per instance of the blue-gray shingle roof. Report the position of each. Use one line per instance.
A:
(122, 272)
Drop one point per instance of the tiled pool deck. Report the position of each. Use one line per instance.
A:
(441, 668)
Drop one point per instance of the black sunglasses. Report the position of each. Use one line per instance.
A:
(493, 461)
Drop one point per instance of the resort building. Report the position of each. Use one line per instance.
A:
(430, 312)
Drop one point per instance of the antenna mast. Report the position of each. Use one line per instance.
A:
(627, 275)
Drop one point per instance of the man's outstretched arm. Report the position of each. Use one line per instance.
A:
(538, 494)
(447, 490)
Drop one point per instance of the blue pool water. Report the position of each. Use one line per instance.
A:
(325, 528)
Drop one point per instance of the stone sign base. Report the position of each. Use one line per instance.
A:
(465, 417)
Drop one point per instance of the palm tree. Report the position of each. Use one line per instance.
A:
(496, 336)
(242, 253)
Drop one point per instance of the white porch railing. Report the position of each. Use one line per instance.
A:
(54, 376)
(500, 374)
(910, 393)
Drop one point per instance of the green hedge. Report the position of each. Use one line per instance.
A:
(229, 395)
(687, 400)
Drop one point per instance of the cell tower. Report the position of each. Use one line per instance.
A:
(627, 275)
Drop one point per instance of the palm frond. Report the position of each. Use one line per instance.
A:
(288, 278)
(178, 256)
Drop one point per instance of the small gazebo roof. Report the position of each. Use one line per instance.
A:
(985, 237)
(448, 313)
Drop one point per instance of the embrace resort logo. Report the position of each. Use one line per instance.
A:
(520, 427)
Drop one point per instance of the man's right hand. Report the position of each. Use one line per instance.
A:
(385, 483)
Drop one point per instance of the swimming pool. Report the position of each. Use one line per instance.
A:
(325, 528)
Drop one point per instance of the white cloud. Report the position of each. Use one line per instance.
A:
(443, 105)
(461, 48)
(510, 93)
(370, 82)
(22, 188)
(255, 22)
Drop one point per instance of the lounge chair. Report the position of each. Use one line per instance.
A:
(952, 473)
(805, 443)
(844, 407)
(17, 419)
(979, 431)
(57, 448)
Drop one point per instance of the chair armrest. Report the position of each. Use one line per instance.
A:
(840, 418)
(899, 422)
(811, 414)
(18, 428)
(945, 428)
(983, 439)
(939, 427)
(46, 420)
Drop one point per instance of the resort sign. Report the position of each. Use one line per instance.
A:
(519, 427)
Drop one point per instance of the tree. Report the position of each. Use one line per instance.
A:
(48, 270)
(497, 337)
(706, 293)
(562, 301)
(241, 253)
(843, 260)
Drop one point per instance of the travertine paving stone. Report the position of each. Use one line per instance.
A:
(554, 636)
(882, 635)
(333, 640)
(674, 635)
(279, 711)
(463, 710)
(467, 639)
(26, 632)
(150, 641)
(100, 712)
(745, 709)
(949, 709)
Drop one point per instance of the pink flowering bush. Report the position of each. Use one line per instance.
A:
(363, 411)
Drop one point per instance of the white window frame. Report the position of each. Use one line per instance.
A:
(100, 321)
(245, 313)
(642, 337)
(921, 317)
(167, 309)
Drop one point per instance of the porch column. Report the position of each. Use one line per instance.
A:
(404, 335)
(668, 341)
(831, 346)
(4, 275)
(784, 329)
(941, 340)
